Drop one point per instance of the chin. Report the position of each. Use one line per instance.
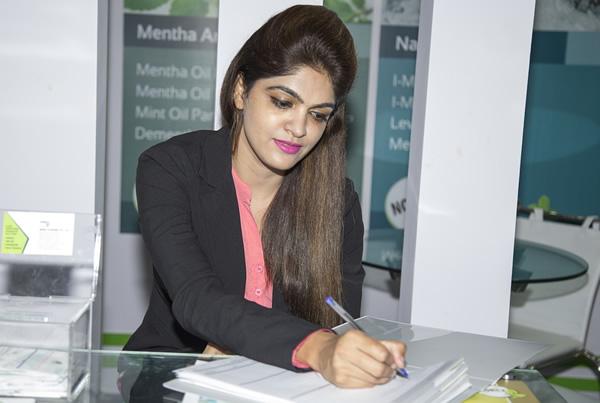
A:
(282, 167)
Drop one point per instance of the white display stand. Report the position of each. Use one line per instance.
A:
(49, 268)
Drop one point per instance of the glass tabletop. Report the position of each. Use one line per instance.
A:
(532, 262)
(115, 377)
(107, 376)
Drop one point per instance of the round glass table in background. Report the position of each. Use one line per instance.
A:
(532, 262)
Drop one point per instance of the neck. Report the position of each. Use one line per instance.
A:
(262, 181)
(263, 185)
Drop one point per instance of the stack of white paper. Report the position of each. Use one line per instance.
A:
(242, 379)
(33, 372)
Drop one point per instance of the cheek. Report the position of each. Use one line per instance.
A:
(259, 118)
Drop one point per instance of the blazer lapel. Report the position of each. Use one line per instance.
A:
(219, 209)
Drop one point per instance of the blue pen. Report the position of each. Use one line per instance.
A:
(350, 320)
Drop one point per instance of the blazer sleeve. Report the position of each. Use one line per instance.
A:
(353, 271)
(197, 297)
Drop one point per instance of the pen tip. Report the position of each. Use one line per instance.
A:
(328, 299)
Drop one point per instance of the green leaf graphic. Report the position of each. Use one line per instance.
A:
(196, 8)
(350, 11)
(14, 239)
(343, 9)
(360, 4)
(543, 203)
(143, 5)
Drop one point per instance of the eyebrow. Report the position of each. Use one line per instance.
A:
(297, 96)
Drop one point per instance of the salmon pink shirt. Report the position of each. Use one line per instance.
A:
(258, 289)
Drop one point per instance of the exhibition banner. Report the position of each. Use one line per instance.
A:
(561, 139)
(168, 83)
(357, 17)
(393, 59)
(391, 147)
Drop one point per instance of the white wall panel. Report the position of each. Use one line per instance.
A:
(48, 105)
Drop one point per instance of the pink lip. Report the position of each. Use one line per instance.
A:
(288, 147)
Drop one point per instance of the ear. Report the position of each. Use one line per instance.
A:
(238, 92)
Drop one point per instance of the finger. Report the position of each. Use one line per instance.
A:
(377, 350)
(370, 359)
(397, 350)
(366, 345)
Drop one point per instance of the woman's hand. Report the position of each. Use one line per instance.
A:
(213, 349)
(352, 360)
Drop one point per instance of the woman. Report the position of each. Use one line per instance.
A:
(249, 228)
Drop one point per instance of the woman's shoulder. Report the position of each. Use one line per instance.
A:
(350, 190)
(350, 195)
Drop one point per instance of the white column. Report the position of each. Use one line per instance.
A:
(469, 101)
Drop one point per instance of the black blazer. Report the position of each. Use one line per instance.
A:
(189, 219)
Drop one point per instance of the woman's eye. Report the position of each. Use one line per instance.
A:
(281, 103)
(321, 117)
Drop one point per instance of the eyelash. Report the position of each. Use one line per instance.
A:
(280, 104)
(319, 117)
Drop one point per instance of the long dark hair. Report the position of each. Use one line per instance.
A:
(302, 232)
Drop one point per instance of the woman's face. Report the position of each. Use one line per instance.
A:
(284, 118)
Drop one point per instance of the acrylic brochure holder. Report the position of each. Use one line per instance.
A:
(49, 269)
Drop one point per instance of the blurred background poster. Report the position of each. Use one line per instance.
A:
(169, 58)
(386, 37)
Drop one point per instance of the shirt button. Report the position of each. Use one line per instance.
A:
(259, 269)
(258, 292)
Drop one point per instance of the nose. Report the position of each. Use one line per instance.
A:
(296, 124)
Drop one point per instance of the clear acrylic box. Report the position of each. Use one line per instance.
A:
(49, 269)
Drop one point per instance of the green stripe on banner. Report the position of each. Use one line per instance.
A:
(581, 384)
(115, 339)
